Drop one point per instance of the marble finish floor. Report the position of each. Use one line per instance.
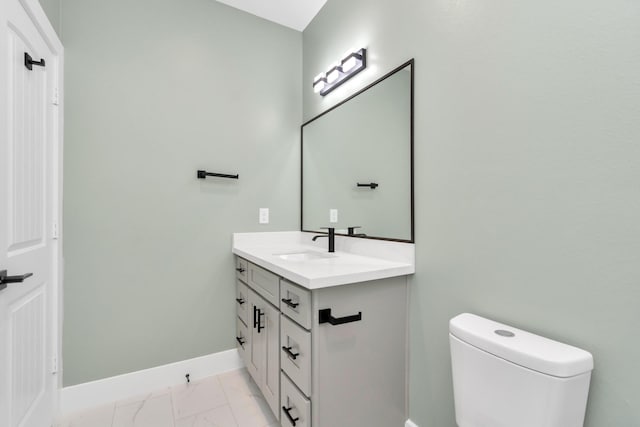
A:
(231, 399)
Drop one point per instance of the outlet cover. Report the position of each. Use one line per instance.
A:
(333, 215)
(263, 216)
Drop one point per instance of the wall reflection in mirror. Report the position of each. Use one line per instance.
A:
(357, 162)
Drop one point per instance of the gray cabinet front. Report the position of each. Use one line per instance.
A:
(263, 355)
(348, 368)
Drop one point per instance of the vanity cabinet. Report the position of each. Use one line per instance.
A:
(328, 357)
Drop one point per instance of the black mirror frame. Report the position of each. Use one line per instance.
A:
(411, 64)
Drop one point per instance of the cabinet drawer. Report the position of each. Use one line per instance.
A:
(264, 282)
(295, 302)
(295, 355)
(242, 301)
(296, 409)
(241, 269)
(242, 339)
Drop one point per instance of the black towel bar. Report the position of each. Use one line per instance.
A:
(204, 174)
(324, 316)
(371, 185)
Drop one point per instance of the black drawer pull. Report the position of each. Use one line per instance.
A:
(289, 302)
(291, 419)
(290, 353)
(240, 270)
(241, 341)
(257, 323)
(324, 316)
(240, 301)
(255, 317)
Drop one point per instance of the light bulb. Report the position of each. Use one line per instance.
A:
(319, 82)
(333, 75)
(349, 64)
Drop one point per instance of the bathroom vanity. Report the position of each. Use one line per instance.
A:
(324, 335)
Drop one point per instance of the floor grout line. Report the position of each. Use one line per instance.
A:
(226, 395)
(173, 411)
(113, 414)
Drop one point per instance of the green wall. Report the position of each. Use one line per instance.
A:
(156, 89)
(527, 172)
(52, 10)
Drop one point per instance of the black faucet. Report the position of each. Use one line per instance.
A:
(331, 235)
(352, 233)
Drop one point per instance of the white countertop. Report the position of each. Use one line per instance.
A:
(355, 260)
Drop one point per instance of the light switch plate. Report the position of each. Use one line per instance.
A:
(263, 216)
(333, 215)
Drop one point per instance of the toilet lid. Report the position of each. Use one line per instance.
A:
(520, 347)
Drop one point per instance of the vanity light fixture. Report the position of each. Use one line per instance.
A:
(351, 64)
(319, 82)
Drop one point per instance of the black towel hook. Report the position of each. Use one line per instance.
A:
(29, 62)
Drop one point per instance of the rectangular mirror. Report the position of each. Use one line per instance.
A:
(357, 162)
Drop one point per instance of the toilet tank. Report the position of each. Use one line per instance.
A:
(506, 377)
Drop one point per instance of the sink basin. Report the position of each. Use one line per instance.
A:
(305, 256)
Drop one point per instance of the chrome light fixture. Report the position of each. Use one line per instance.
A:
(351, 64)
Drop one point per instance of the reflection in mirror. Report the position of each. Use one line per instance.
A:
(357, 162)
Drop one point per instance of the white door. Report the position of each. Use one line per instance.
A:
(28, 194)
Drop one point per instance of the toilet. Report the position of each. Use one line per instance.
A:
(506, 377)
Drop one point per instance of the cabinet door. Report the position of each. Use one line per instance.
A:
(263, 353)
(270, 385)
(256, 351)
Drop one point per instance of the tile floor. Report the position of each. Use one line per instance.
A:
(231, 399)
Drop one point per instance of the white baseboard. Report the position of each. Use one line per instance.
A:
(95, 393)
(410, 423)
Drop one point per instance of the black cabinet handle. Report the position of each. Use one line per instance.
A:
(240, 270)
(5, 280)
(257, 314)
(324, 316)
(255, 317)
(241, 341)
(291, 419)
(290, 353)
(240, 301)
(289, 302)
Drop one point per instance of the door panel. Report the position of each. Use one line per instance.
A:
(28, 189)
(26, 148)
(27, 320)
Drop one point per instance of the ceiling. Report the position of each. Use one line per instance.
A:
(294, 14)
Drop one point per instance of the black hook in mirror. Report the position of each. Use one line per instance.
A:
(371, 185)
